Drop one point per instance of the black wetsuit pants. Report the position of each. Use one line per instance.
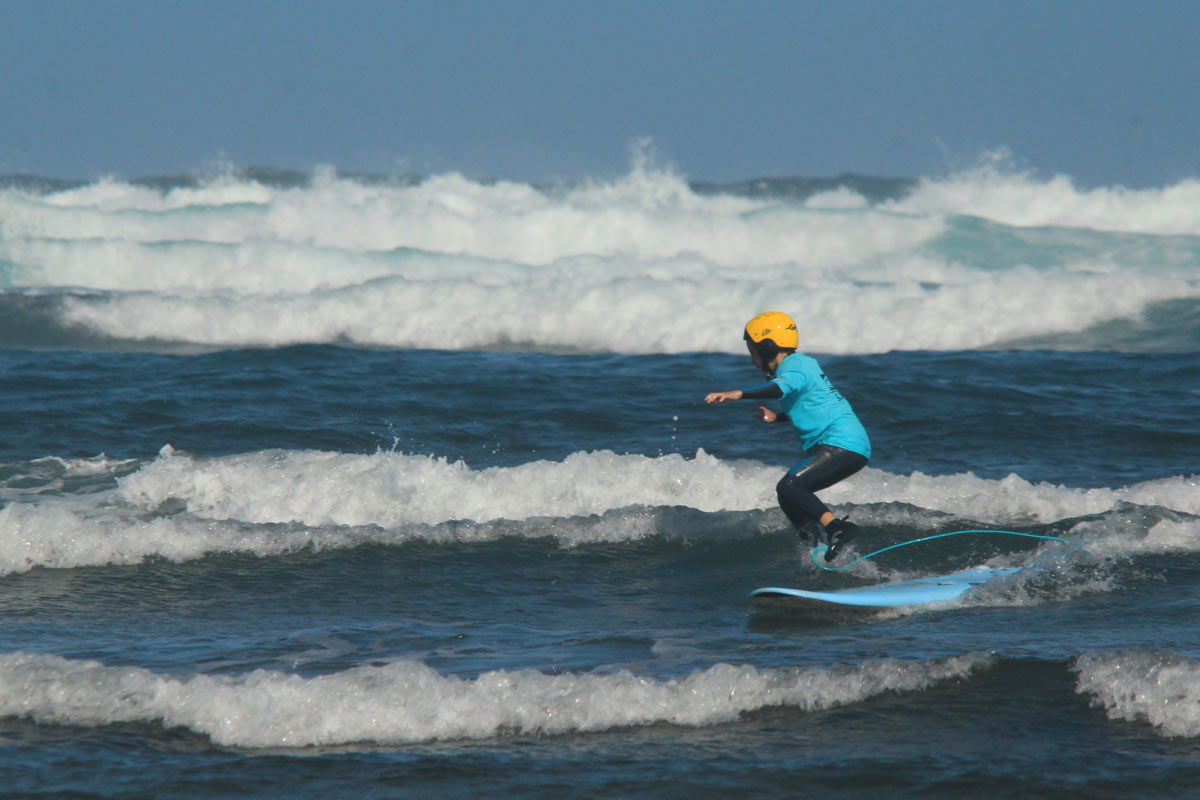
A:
(824, 466)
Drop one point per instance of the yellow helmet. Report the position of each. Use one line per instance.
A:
(774, 327)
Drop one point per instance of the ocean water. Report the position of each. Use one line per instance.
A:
(406, 487)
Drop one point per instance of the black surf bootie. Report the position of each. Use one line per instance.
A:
(839, 533)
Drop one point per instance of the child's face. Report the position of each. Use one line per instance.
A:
(757, 359)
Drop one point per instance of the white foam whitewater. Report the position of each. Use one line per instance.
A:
(407, 701)
(996, 190)
(593, 267)
(1155, 686)
(181, 507)
(390, 488)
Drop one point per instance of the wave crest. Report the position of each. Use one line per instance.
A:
(1160, 687)
(407, 701)
(235, 262)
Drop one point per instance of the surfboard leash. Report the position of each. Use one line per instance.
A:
(820, 549)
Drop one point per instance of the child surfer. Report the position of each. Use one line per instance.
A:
(835, 443)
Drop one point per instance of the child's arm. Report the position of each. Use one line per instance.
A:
(770, 389)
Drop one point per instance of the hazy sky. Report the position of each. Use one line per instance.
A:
(1106, 92)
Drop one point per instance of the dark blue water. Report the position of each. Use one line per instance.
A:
(379, 573)
(406, 487)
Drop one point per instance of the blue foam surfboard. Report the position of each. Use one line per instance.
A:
(898, 594)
